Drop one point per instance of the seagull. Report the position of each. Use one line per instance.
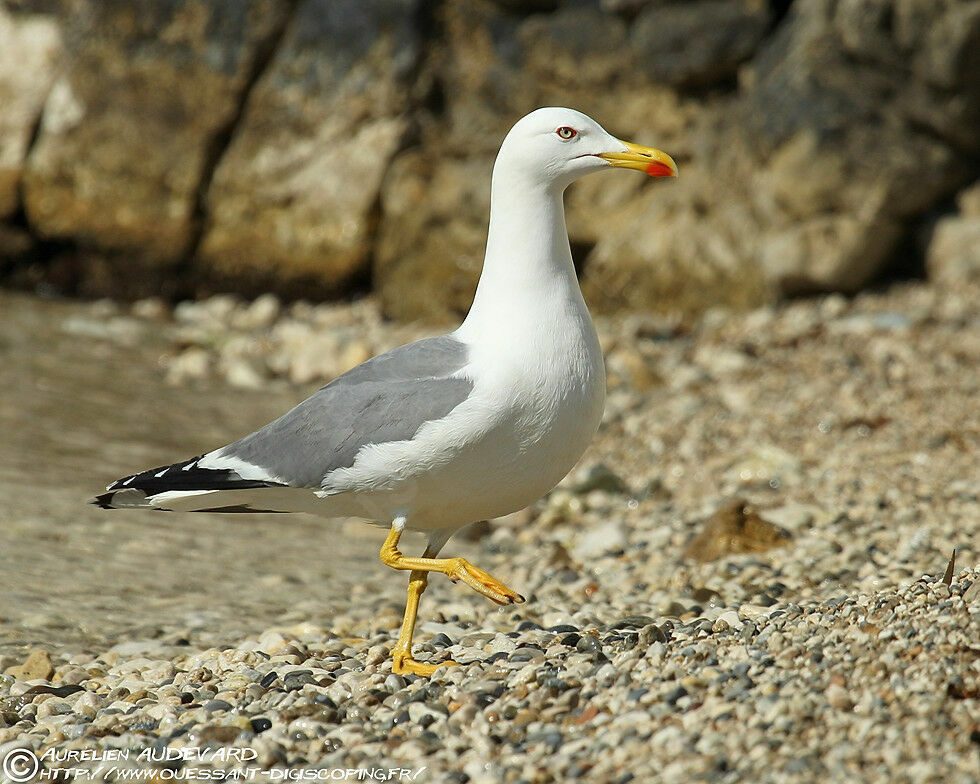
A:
(446, 431)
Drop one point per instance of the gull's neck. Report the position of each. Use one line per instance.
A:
(528, 280)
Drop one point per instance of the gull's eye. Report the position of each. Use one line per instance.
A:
(566, 133)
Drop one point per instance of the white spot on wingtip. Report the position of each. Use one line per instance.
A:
(158, 474)
(221, 462)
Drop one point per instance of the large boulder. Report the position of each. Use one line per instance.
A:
(810, 177)
(953, 253)
(293, 203)
(697, 43)
(131, 131)
(30, 50)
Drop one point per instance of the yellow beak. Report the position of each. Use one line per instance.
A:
(644, 159)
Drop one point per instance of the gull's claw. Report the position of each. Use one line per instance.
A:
(402, 663)
(482, 582)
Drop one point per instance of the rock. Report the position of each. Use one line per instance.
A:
(261, 313)
(432, 235)
(37, 666)
(953, 254)
(293, 200)
(596, 541)
(696, 44)
(242, 372)
(791, 517)
(677, 248)
(599, 476)
(128, 133)
(767, 465)
(192, 364)
(834, 199)
(787, 192)
(734, 528)
(315, 359)
(30, 46)
(839, 697)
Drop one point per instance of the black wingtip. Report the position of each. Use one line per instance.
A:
(103, 501)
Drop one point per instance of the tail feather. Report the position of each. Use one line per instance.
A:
(180, 480)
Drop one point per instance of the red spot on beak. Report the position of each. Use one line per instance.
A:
(657, 169)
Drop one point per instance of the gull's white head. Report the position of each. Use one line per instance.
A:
(555, 146)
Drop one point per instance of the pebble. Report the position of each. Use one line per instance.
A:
(838, 650)
(37, 666)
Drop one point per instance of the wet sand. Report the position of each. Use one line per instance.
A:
(76, 413)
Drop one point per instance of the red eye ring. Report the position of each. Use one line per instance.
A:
(565, 133)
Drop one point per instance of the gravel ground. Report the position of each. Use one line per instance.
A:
(745, 580)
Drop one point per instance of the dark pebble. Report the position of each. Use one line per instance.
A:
(630, 622)
(524, 626)
(553, 682)
(433, 691)
(441, 641)
(552, 739)
(674, 695)
(261, 724)
(485, 698)
(268, 680)
(562, 628)
(637, 693)
(402, 718)
(57, 691)
(429, 739)
(496, 657)
(297, 680)
(186, 698)
(571, 640)
(212, 706)
(522, 656)
(588, 644)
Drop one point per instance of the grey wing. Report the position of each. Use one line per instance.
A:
(387, 398)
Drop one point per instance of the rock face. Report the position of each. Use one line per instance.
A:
(311, 146)
(807, 178)
(130, 130)
(294, 199)
(953, 255)
(30, 47)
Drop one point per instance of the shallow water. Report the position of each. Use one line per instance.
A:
(77, 412)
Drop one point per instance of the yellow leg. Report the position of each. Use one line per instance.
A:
(401, 655)
(455, 569)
